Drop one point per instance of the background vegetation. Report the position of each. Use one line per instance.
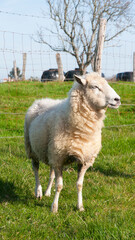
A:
(108, 187)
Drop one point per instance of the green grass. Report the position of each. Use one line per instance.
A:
(108, 193)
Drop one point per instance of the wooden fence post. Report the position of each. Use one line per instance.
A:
(24, 66)
(99, 46)
(15, 70)
(60, 67)
(133, 67)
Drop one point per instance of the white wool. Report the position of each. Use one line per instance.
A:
(58, 132)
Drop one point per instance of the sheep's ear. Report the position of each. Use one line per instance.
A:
(80, 79)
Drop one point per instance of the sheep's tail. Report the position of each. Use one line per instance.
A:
(31, 114)
(37, 108)
(27, 139)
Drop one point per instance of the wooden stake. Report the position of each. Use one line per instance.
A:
(133, 67)
(24, 66)
(99, 47)
(15, 70)
(60, 67)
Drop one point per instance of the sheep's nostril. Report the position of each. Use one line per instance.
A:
(117, 99)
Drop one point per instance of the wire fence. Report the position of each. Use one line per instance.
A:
(115, 126)
(39, 56)
(18, 97)
(117, 57)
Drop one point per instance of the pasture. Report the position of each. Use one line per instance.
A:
(109, 186)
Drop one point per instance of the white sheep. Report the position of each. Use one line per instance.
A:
(59, 132)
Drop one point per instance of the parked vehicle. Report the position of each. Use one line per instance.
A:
(124, 76)
(69, 76)
(103, 75)
(50, 75)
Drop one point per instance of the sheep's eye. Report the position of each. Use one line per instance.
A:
(95, 87)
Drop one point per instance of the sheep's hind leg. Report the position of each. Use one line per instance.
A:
(59, 186)
(81, 172)
(38, 187)
(51, 178)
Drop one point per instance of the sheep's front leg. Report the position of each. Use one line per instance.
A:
(38, 187)
(81, 172)
(51, 178)
(58, 186)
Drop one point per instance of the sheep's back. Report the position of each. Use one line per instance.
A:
(38, 108)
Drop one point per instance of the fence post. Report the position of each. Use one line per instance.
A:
(15, 70)
(133, 67)
(99, 46)
(24, 66)
(60, 67)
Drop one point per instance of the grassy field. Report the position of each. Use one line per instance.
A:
(109, 187)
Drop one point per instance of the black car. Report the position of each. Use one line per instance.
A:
(124, 76)
(69, 76)
(102, 75)
(50, 75)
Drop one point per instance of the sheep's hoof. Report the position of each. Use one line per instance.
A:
(47, 194)
(38, 192)
(81, 209)
(54, 208)
(40, 197)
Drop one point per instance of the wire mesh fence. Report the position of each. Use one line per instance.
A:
(16, 97)
(117, 55)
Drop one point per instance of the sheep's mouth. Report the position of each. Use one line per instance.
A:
(115, 106)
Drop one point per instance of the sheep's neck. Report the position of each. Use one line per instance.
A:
(84, 118)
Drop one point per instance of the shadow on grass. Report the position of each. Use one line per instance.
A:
(8, 194)
(7, 191)
(112, 172)
(105, 171)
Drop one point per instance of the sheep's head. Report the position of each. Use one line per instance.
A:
(97, 91)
